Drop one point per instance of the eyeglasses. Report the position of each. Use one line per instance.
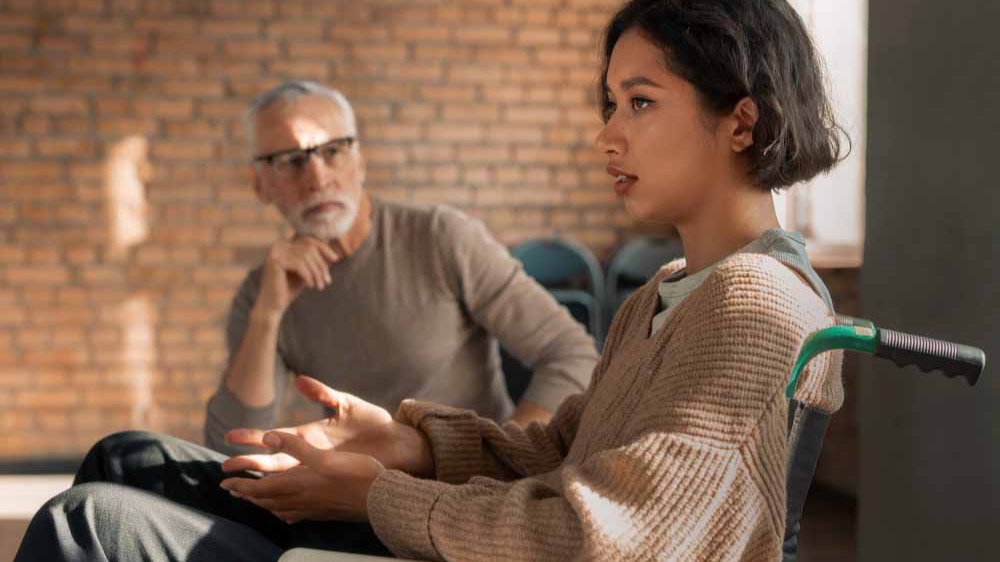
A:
(292, 162)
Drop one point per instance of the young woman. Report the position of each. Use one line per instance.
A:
(677, 449)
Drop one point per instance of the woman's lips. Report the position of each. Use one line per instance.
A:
(623, 180)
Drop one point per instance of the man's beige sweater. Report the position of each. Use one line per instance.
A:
(676, 451)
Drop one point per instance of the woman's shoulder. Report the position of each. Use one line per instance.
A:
(764, 280)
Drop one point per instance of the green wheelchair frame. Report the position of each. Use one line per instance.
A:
(807, 425)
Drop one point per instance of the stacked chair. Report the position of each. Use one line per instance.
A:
(634, 263)
(573, 276)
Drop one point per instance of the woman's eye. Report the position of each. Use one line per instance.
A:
(638, 104)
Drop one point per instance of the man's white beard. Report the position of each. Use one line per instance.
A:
(328, 225)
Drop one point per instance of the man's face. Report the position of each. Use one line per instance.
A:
(319, 194)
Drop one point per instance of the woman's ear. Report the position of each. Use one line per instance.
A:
(742, 121)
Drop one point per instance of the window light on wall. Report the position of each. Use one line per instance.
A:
(829, 210)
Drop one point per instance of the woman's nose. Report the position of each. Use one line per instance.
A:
(609, 140)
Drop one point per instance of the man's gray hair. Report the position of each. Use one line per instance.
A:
(291, 91)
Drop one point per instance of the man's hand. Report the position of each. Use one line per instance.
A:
(292, 265)
(356, 427)
(327, 484)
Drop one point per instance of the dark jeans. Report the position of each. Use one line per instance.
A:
(143, 496)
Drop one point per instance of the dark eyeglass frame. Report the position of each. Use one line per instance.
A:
(342, 144)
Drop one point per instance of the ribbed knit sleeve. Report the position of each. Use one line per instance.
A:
(678, 453)
(465, 445)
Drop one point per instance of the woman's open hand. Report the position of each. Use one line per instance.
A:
(325, 485)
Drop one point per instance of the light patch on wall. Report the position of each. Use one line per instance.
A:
(127, 171)
(829, 210)
(139, 356)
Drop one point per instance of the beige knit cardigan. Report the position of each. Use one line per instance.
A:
(676, 451)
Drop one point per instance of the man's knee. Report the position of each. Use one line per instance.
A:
(79, 505)
(112, 456)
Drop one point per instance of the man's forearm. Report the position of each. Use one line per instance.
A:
(250, 376)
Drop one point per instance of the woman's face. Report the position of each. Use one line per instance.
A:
(664, 152)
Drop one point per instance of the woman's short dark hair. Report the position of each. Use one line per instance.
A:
(731, 49)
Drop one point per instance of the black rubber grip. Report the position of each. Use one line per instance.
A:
(952, 359)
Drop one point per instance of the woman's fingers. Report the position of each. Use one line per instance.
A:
(279, 462)
(252, 437)
(294, 446)
(320, 393)
(281, 485)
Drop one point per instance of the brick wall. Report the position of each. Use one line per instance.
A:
(126, 217)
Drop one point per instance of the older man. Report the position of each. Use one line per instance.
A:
(382, 300)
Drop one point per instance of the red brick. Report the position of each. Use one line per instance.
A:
(508, 56)
(318, 70)
(221, 109)
(424, 72)
(480, 74)
(186, 45)
(564, 57)
(378, 52)
(483, 35)
(539, 36)
(230, 28)
(113, 65)
(38, 275)
(248, 235)
(554, 156)
(184, 150)
(349, 33)
(529, 114)
(59, 105)
(422, 33)
(13, 41)
(455, 133)
(196, 129)
(385, 154)
(29, 84)
(325, 50)
(516, 134)
(66, 147)
(119, 45)
(490, 154)
(476, 113)
(169, 66)
(436, 195)
(14, 148)
(172, 108)
(194, 88)
(296, 30)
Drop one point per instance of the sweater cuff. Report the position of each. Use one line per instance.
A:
(454, 435)
(399, 510)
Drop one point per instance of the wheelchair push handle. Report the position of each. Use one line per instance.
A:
(858, 334)
(952, 359)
